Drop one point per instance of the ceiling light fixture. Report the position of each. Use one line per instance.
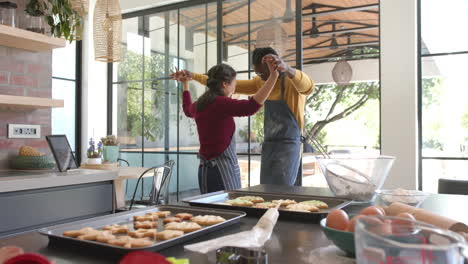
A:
(288, 14)
(107, 31)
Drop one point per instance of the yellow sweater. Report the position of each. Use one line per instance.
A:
(295, 91)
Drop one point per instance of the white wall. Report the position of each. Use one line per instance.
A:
(399, 90)
(94, 88)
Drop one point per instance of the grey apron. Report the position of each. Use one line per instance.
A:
(227, 166)
(281, 149)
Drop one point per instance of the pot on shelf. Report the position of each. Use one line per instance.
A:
(110, 153)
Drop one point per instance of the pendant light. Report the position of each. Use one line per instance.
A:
(342, 72)
(272, 35)
(107, 31)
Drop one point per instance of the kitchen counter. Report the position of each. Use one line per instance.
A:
(30, 200)
(12, 181)
(291, 242)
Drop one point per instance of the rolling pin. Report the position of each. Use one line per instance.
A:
(427, 217)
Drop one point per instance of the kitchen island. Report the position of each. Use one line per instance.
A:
(291, 242)
(30, 200)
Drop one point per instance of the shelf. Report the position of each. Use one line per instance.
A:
(27, 40)
(29, 102)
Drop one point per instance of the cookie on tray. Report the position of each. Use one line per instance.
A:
(147, 217)
(140, 233)
(224, 204)
(185, 227)
(317, 203)
(302, 208)
(91, 235)
(171, 219)
(116, 229)
(237, 202)
(253, 199)
(265, 205)
(169, 234)
(105, 236)
(284, 202)
(207, 220)
(76, 233)
(184, 216)
(145, 224)
(129, 242)
(160, 214)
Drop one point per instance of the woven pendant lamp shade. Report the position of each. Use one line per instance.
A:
(272, 35)
(342, 72)
(107, 31)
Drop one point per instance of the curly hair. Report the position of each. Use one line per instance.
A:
(216, 76)
(259, 53)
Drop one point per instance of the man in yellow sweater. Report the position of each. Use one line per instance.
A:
(284, 115)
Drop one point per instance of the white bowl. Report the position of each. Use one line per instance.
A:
(410, 197)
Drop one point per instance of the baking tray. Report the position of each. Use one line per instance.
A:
(56, 238)
(210, 200)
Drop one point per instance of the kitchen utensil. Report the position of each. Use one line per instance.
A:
(356, 178)
(382, 239)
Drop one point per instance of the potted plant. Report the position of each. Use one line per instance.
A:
(94, 154)
(64, 20)
(111, 148)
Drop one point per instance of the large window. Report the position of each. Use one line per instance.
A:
(443, 92)
(65, 86)
(147, 105)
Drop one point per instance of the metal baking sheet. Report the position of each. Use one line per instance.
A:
(126, 218)
(211, 200)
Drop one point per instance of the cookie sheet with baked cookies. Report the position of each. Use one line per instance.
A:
(292, 206)
(112, 236)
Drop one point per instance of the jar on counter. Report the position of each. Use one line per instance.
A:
(8, 13)
(35, 23)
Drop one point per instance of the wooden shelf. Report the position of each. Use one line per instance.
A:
(28, 40)
(29, 102)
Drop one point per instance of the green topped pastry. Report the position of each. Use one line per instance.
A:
(253, 199)
(316, 203)
(239, 202)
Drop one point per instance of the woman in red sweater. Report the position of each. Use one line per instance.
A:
(214, 114)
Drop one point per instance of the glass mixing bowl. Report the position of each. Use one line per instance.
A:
(356, 178)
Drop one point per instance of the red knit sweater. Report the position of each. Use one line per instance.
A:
(215, 124)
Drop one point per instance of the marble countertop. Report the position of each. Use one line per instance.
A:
(11, 181)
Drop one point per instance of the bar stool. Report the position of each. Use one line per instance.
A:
(160, 185)
(452, 186)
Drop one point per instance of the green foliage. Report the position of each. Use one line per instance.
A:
(431, 91)
(257, 125)
(153, 100)
(110, 140)
(63, 20)
(464, 122)
(433, 144)
(330, 103)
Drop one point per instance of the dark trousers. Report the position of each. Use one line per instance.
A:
(214, 181)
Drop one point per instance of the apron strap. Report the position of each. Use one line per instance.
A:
(283, 80)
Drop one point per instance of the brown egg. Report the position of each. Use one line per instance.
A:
(352, 223)
(372, 210)
(338, 219)
(403, 225)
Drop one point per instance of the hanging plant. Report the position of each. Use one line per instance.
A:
(63, 19)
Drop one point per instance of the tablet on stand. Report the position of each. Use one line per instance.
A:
(62, 152)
